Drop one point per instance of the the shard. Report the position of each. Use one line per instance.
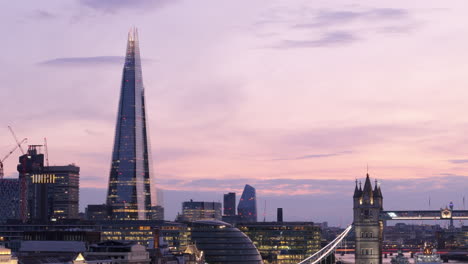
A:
(131, 195)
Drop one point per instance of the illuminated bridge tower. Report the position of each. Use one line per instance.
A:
(367, 225)
(130, 194)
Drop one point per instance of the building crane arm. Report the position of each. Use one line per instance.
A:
(16, 139)
(8, 155)
(13, 150)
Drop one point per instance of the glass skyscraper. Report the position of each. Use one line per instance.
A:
(130, 195)
(247, 208)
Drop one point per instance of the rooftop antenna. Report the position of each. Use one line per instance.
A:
(46, 152)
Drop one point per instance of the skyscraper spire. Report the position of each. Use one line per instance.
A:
(131, 195)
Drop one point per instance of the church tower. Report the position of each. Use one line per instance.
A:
(368, 204)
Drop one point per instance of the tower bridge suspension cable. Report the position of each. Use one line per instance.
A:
(329, 249)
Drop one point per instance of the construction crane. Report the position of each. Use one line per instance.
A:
(8, 155)
(16, 139)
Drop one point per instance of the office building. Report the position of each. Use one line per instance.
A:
(66, 191)
(283, 242)
(9, 199)
(158, 212)
(96, 212)
(47, 193)
(247, 208)
(131, 194)
(229, 204)
(193, 211)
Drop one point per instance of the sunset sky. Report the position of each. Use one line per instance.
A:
(293, 97)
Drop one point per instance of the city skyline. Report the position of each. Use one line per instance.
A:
(254, 97)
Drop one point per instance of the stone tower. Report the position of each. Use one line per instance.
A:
(368, 204)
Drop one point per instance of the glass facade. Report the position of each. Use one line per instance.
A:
(229, 204)
(193, 211)
(9, 199)
(130, 194)
(223, 243)
(285, 242)
(247, 209)
(65, 193)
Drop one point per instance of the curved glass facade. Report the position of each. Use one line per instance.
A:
(130, 194)
(247, 208)
(223, 244)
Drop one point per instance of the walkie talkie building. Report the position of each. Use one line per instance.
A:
(131, 195)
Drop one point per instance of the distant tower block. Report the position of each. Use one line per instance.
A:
(279, 215)
(131, 194)
(247, 208)
(229, 204)
(369, 229)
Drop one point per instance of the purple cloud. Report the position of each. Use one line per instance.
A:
(336, 38)
(332, 18)
(458, 161)
(315, 156)
(81, 61)
(111, 6)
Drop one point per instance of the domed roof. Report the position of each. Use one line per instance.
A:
(222, 243)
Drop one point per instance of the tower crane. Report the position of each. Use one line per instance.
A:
(8, 155)
(16, 139)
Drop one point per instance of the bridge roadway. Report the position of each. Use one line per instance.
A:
(443, 214)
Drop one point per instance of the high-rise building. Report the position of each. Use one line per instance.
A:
(47, 192)
(194, 211)
(31, 165)
(131, 195)
(9, 199)
(229, 204)
(66, 191)
(247, 208)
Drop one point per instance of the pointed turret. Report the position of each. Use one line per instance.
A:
(357, 191)
(376, 190)
(367, 186)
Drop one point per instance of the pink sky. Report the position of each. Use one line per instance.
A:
(257, 90)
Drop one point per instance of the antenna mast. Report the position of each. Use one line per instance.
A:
(46, 152)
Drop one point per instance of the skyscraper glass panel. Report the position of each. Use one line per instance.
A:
(130, 194)
(247, 208)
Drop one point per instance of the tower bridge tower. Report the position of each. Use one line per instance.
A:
(368, 204)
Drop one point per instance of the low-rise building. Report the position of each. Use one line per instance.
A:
(120, 252)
